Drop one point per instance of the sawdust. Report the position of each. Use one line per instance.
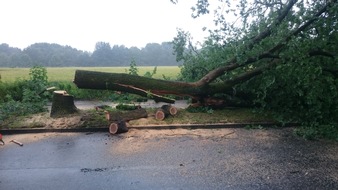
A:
(28, 138)
(45, 121)
(141, 140)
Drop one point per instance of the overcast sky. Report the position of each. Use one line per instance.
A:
(82, 23)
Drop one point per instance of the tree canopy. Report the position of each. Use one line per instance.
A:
(279, 55)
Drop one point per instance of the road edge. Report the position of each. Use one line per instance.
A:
(153, 127)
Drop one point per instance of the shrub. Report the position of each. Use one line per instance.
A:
(24, 96)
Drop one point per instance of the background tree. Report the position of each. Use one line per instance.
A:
(55, 55)
(102, 54)
(6, 53)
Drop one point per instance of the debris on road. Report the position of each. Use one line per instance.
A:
(17, 142)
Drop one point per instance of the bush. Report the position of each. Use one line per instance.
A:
(24, 97)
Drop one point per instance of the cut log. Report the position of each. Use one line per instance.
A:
(62, 104)
(165, 111)
(161, 114)
(126, 116)
(118, 127)
(169, 108)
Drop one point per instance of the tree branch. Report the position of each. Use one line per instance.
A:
(319, 52)
(250, 74)
(141, 92)
(233, 64)
(267, 32)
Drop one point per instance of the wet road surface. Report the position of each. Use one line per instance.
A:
(169, 159)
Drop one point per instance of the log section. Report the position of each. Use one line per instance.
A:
(118, 127)
(165, 111)
(126, 116)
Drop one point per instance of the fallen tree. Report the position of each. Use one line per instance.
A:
(287, 45)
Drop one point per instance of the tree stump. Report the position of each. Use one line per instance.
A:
(165, 111)
(62, 104)
(118, 127)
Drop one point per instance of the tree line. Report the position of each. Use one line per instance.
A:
(104, 55)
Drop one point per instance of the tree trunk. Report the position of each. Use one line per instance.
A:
(126, 116)
(154, 88)
(62, 104)
(143, 86)
(147, 87)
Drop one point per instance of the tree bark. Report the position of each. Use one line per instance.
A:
(126, 116)
(62, 104)
(147, 87)
(128, 83)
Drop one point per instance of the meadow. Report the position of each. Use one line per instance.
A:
(64, 74)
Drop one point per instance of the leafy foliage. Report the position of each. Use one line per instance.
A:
(133, 70)
(296, 42)
(200, 110)
(29, 95)
(150, 75)
(317, 132)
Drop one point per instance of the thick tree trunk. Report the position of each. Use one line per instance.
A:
(147, 87)
(62, 104)
(143, 86)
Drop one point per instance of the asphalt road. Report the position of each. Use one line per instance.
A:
(168, 159)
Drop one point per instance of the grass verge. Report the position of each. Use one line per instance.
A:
(93, 118)
(66, 74)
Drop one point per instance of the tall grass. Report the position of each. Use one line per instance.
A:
(62, 77)
(63, 74)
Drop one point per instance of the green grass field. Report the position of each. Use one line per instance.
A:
(67, 73)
